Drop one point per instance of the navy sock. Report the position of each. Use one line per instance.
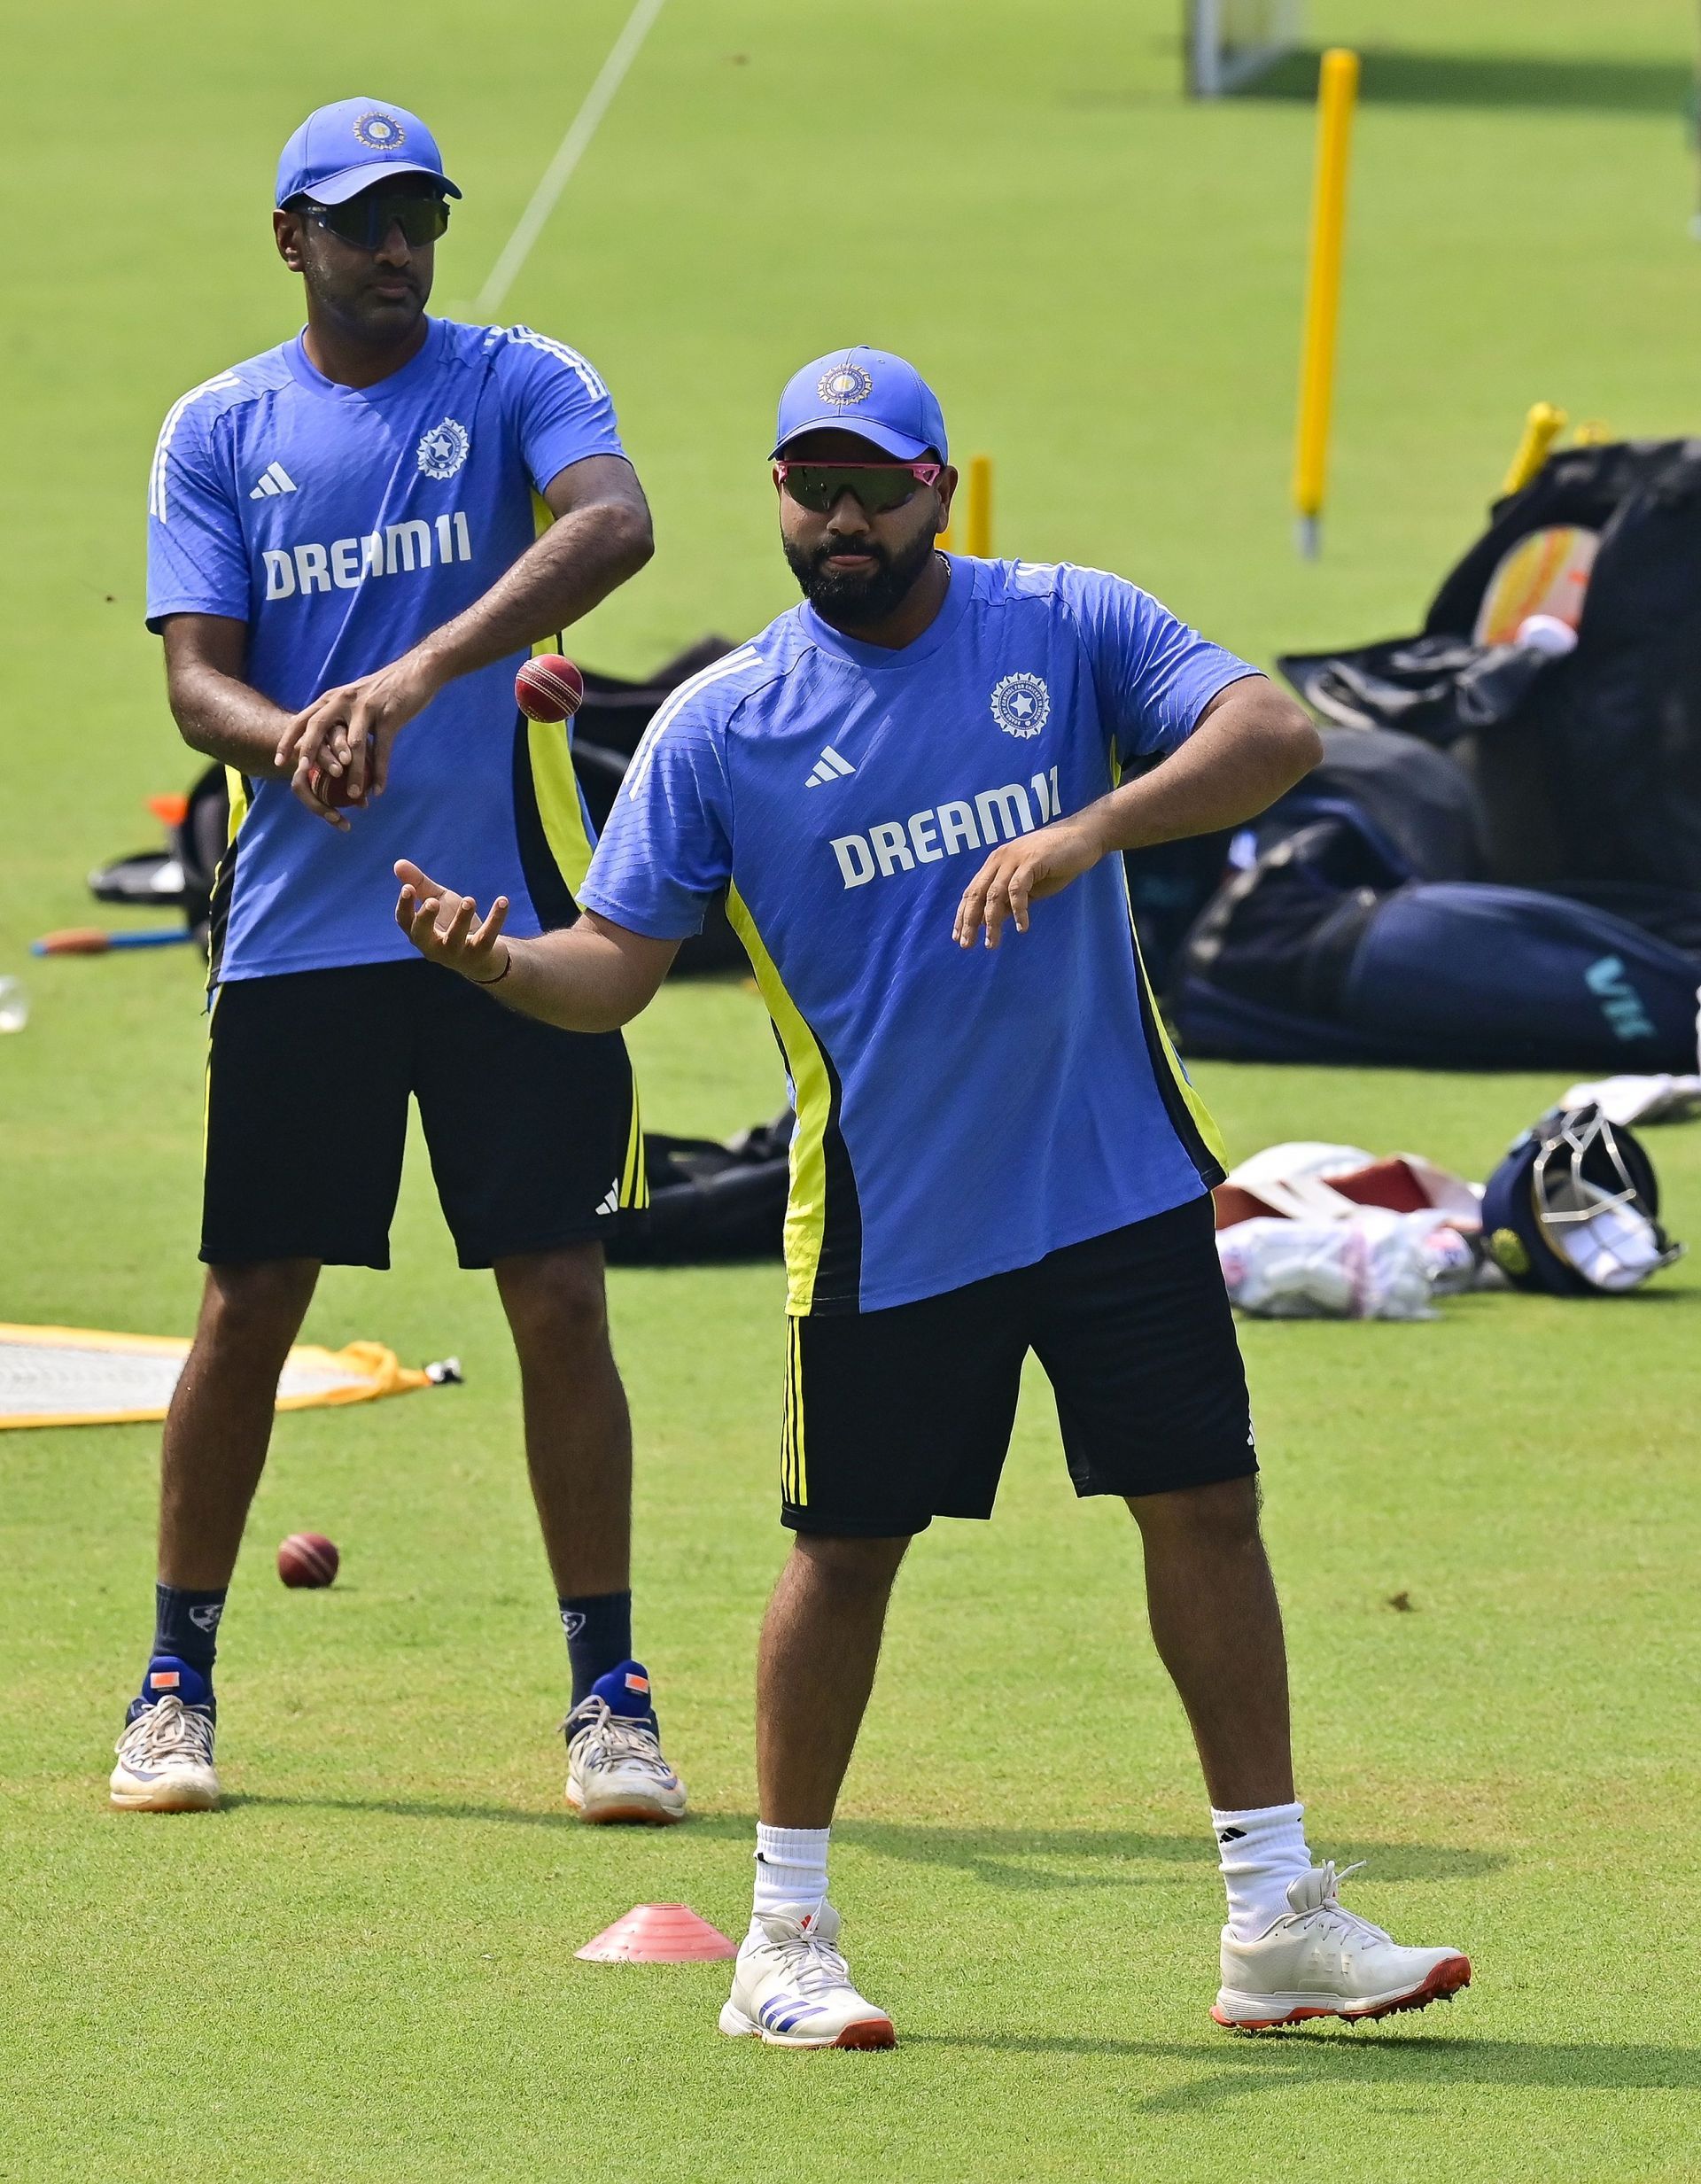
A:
(599, 1635)
(186, 1624)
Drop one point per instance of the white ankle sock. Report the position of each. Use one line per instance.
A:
(790, 1867)
(1261, 1851)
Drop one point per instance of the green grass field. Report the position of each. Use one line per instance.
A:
(363, 1968)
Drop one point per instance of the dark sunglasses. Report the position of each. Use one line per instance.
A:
(366, 221)
(879, 486)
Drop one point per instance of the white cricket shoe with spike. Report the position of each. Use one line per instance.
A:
(164, 1760)
(791, 1988)
(1321, 1960)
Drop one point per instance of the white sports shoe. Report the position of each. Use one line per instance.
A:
(1322, 1961)
(615, 1768)
(791, 1988)
(164, 1760)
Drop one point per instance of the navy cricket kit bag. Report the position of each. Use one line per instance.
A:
(1324, 951)
(1589, 765)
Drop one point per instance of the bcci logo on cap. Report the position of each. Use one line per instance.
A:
(845, 384)
(1021, 704)
(443, 448)
(379, 132)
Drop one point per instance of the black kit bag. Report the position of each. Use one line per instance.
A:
(709, 1202)
(181, 876)
(1589, 765)
(1326, 951)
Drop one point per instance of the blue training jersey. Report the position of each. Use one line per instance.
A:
(960, 1112)
(341, 525)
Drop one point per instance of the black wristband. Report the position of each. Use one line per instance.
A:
(500, 974)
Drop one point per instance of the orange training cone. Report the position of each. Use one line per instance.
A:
(659, 1933)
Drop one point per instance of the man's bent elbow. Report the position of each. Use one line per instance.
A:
(638, 540)
(1291, 740)
(1306, 744)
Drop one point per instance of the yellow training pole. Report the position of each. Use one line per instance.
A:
(1337, 96)
(1542, 427)
(1593, 432)
(977, 519)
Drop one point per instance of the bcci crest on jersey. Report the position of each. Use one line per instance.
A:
(443, 448)
(1021, 704)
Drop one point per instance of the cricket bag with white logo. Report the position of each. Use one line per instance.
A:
(1324, 951)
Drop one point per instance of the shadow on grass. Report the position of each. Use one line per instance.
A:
(401, 1809)
(1366, 2057)
(994, 1856)
(1578, 83)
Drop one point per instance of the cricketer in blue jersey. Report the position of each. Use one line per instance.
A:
(344, 567)
(913, 788)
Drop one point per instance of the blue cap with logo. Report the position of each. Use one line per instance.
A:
(868, 391)
(339, 151)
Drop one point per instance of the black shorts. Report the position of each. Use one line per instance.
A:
(895, 1417)
(534, 1133)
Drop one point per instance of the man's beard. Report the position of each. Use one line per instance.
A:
(844, 597)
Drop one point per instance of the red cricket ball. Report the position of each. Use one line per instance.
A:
(336, 789)
(307, 1558)
(549, 688)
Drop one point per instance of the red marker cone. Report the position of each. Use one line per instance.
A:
(659, 1933)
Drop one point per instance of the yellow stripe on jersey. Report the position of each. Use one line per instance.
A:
(806, 1206)
(237, 788)
(557, 789)
(549, 745)
(1204, 1121)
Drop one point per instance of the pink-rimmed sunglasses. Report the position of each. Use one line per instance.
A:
(879, 486)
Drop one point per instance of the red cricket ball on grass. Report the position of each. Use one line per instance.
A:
(549, 688)
(307, 1558)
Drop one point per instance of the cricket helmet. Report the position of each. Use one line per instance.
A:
(1574, 1208)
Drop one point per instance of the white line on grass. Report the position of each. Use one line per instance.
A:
(572, 148)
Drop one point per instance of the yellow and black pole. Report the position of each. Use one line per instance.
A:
(1337, 97)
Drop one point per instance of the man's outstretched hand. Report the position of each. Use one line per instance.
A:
(1022, 872)
(446, 928)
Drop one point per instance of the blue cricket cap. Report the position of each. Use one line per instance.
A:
(339, 151)
(868, 391)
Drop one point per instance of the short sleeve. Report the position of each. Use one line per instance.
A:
(561, 409)
(198, 559)
(667, 849)
(1154, 674)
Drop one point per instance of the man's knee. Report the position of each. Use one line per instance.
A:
(254, 1308)
(556, 1302)
(1223, 1514)
(861, 1566)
